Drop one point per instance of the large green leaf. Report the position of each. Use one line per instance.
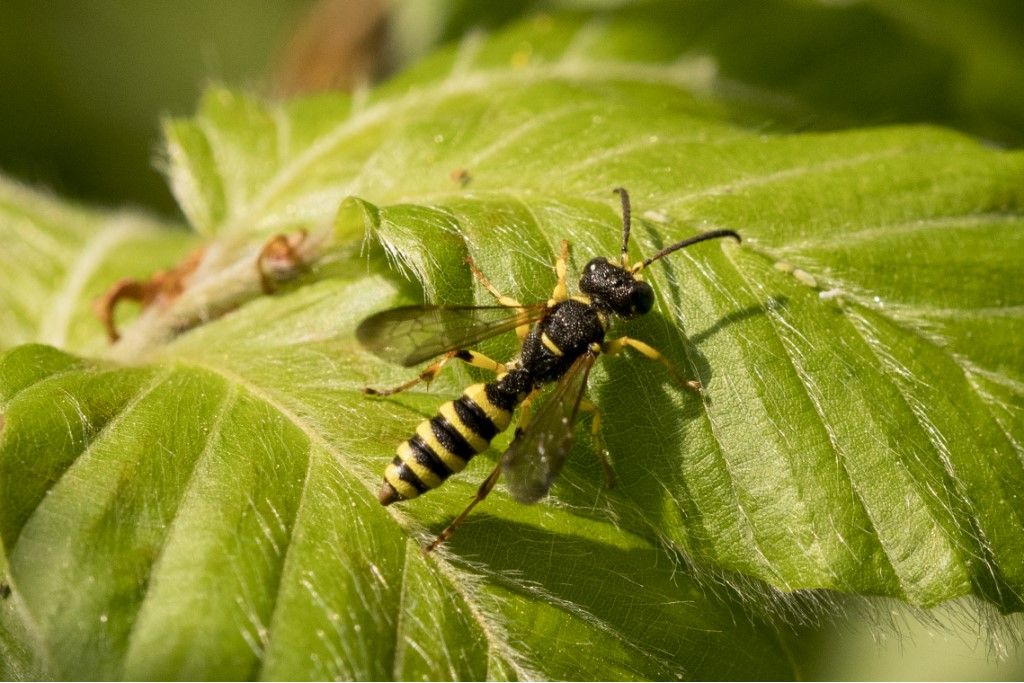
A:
(210, 512)
(214, 517)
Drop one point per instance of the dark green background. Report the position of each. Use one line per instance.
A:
(85, 85)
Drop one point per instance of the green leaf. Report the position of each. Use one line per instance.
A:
(211, 511)
(218, 512)
(58, 258)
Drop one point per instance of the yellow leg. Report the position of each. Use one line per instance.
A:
(475, 359)
(614, 346)
(502, 299)
(561, 292)
(598, 440)
(522, 330)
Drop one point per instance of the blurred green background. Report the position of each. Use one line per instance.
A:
(85, 85)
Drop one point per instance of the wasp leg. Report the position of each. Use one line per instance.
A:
(502, 299)
(561, 292)
(614, 346)
(481, 493)
(473, 358)
(282, 249)
(522, 330)
(598, 441)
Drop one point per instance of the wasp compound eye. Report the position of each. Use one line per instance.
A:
(641, 299)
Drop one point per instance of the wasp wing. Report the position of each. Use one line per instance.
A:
(410, 335)
(535, 457)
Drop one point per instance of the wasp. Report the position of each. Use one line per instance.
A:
(560, 339)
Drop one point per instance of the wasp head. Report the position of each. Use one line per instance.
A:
(620, 289)
(615, 289)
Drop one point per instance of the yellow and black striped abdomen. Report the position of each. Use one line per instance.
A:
(443, 445)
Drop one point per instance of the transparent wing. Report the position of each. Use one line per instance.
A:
(410, 335)
(535, 457)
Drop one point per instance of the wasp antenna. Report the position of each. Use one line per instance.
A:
(626, 222)
(709, 235)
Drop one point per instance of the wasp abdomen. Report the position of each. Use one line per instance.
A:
(444, 444)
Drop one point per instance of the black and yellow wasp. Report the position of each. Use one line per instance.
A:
(560, 340)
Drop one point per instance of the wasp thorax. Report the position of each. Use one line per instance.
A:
(615, 290)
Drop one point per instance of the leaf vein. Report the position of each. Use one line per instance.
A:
(396, 665)
(285, 557)
(785, 174)
(833, 438)
(226, 403)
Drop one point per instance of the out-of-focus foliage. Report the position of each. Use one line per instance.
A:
(887, 641)
(85, 84)
(956, 63)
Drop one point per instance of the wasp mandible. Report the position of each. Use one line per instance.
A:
(559, 341)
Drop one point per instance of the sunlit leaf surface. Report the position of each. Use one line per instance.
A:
(211, 512)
